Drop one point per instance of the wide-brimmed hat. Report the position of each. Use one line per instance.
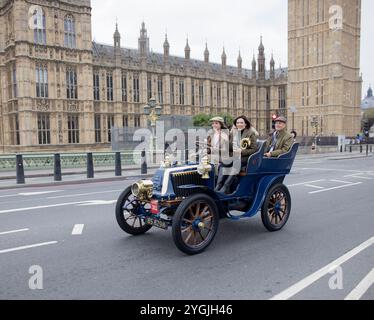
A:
(281, 119)
(217, 119)
(220, 120)
(247, 122)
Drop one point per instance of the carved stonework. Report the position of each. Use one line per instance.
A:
(72, 107)
(43, 106)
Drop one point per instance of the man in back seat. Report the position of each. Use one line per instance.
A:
(280, 141)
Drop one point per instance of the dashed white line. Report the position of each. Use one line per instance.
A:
(88, 203)
(38, 193)
(301, 285)
(13, 231)
(313, 186)
(78, 229)
(341, 181)
(303, 183)
(84, 194)
(334, 188)
(358, 176)
(28, 247)
(362, 287)
(41, 207)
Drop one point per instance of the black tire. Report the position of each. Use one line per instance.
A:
(127, 219)
(276, 208)
(195, 219)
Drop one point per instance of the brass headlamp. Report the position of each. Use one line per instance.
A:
(204, 168)
(143, 189)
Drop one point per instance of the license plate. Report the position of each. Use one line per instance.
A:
(156, 223)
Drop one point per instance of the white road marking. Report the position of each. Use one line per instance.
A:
(301, 285)
(88, 203)
(9, 196)
(78, 229)
(313, 186)
(13, 231)
(358, 176)
(38, 193)
(341, 181)
(303, 183)
(334, 188)
(362, 287)
(41, 207)
(28, 247)
(97, 203)
(27, 194)
(341, 170)
(84, 194)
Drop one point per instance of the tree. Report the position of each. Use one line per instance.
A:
(202, 120)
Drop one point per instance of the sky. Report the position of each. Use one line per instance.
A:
(235, 25)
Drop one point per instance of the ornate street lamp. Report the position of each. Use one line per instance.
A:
(153, 112)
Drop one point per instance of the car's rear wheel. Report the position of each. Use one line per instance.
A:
(195, 224)
(276, 208)
(127, 209)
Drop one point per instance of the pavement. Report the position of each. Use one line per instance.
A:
(69, 233)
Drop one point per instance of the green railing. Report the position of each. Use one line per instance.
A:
(68, 160)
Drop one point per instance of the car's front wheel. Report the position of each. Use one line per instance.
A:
(195, 224)
(127, 210)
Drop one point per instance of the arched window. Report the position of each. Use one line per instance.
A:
(69, 28)
(40, 28)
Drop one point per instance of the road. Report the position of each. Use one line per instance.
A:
(70, 232)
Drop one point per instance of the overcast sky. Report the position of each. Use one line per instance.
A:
(234, 24)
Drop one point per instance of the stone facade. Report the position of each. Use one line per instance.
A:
(60, 91)
(324, 66)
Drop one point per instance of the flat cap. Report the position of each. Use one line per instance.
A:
(218, 119)
(281, 119)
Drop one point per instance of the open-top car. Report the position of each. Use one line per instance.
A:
(182, 197)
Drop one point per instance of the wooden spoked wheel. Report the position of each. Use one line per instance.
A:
(276, 208)
(195, 224)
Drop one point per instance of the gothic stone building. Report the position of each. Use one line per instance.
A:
(59, 90)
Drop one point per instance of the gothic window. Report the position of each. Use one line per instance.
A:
(124, 87)
(149, 87)
(69, 30)
(181, 92)
(136, 88)
(14, 130)
(109, 86)
(40, 28)
(160, 90)
(44, 129)
(96, 86)
(97, 128)
(73, 129)
(110, 125)
(41, 81)
(201, 94)
(71, 83)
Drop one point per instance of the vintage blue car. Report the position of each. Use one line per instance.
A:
(182, 197)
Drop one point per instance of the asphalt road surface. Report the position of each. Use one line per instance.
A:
(69, 236)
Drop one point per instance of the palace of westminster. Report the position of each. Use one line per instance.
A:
(60, 91)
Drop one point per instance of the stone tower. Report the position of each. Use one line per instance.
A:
(45, 51)
(324, 83)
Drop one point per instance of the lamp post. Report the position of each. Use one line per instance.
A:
(153, 112)
(293, 110)
(315, 123)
